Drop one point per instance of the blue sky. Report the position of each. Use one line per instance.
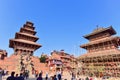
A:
(60, 24)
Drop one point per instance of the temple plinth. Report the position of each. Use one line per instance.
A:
(103, 54)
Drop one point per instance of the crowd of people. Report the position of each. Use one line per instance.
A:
(24, 76)
(56, 76)
(3, 72)
(13, 77)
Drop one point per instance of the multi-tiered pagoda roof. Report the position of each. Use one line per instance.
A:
(25, 40)
(101, 37)
(103, 54)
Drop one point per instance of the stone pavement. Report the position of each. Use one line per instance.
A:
(65, 76)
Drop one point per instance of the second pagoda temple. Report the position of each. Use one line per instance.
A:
(103, 54)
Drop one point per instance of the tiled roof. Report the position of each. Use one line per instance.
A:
(65, 57)
(25, 41)
(1, 50)
(101, 53)
(27, 29)
(69, 65)
(110, 29)
(28, 22)
(100, 41)
(57, 57)
(26, 34)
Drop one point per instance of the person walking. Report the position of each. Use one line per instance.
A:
(46, 78)
(59, 76)
(55, 77)
(16, 77)
(40, 77)
(20, 77)
(86, 78)
(12, 76)
(0, 74)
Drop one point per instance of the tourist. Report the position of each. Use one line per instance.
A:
(5, 72)
(0, 75)
(40, 77)
(20, 77)
(41, 72)
(16, 77)
(59, 76)
(12, 76)
(78, 74)
(86, 78)
(36, 73)
(26, 74)
(73, 76)
(91, 78)
(79, 78)
(46, 76)
(55, 77)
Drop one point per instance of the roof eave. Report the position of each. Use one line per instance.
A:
(111, 30)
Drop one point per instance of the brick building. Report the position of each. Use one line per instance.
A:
(59, 60)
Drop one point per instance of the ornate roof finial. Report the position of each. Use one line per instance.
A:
(97, 27)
